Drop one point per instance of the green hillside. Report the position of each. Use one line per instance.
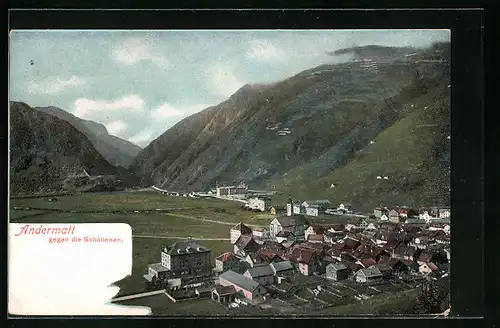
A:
(413, 153)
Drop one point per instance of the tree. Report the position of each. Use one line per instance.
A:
(433, 298)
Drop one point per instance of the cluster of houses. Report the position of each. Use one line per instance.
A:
(364, 250)
(358, 250)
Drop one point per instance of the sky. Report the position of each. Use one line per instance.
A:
(140, 83)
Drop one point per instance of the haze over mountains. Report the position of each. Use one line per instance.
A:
(327, 132)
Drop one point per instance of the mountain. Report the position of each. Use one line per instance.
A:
(48, 154)
(302, 134)
(116, 151)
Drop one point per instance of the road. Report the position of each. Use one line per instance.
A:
(131, 297)
(212, 221)
(177, 237)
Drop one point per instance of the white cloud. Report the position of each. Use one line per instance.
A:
(165, 111)
(87, 108)
(116, 127)
(53, 84)
(134, 50)
(263, 50)
(142, 138)
(161, 119)
(222, 80)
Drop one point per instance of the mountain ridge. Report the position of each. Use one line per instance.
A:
(331, 113)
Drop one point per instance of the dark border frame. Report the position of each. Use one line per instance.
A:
(468, 292)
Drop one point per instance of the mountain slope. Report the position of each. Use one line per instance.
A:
(115, 150)
(414, 154)
(293, 133)
(48, 154)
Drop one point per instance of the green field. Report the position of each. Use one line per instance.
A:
(156, 229)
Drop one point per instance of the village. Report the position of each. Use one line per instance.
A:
(295, 265)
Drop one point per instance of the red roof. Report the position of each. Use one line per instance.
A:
(432, 266)
(301, 255)
(368, 262)
(226, 257)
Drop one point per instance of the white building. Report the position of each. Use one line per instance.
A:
(257, 203)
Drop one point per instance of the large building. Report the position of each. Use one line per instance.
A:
(240, 189)
(181, 260)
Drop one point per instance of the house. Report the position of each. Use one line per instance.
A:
(391, 245)
(349, 243)
(258, 203)
(288, 244)
(315, 207)
(385, 236)
(263, 274)
(251, 289)
(385, 269)
(428, 214)
(358, 223)
(268, 255)
(227, 261)
(395, 264)
(314, 230)
(315, 238)
(336, 228)
(321, 204)
(352, 266)
(404, 252)
(296, 224)
(282, 270)
(306, 259)
(424, 257)
(272, 210)
(371, 226)
(390, 226)
(186, 259)
(344, 208)
(238, 230)
(260, 232)
(245, 245)
(384, 217)
(420, 242)
(370, 251)
(284, 235)
(394, 216)
(224, 294)
(337, 271)
(366, 262)
(427, 268)
(156, 273)
(410, 266)
(379, 211)
(406, 212)
(370, 274)
(335, 253)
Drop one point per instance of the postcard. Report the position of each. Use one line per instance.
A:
(230, 173)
